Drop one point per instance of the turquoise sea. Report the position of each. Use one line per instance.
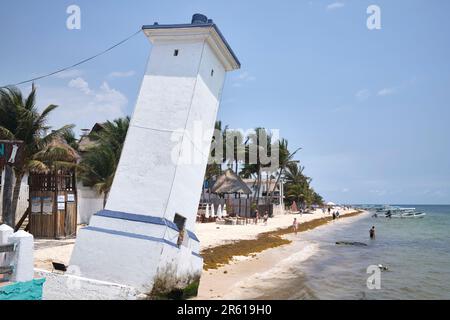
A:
(416, 252)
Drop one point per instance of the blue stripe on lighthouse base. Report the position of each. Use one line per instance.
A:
(143, 219)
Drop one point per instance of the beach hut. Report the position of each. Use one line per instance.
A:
(53, 193)
(231, 187)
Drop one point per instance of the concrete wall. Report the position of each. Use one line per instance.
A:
(22, 205)
(72, 287)
(129, 256)
(89, 202)
(22, 258)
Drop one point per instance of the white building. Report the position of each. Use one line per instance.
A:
(22, 203)
(136, 240)
(89, 200)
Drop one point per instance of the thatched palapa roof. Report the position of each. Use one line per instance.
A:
(230, 182)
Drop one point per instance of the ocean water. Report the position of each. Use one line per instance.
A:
(416, 252)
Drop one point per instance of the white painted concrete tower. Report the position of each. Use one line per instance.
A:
(155, 193)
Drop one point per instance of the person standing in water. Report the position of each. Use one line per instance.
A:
(372, 233)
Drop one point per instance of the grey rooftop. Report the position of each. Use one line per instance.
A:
(198, 21)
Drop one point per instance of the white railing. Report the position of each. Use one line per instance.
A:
(16, 255)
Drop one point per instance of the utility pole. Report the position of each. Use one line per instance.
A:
(10, 156)
(7, 215)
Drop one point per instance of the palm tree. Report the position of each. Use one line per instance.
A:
(258, 146)
(298, 186)
(21, 120)
(234, 147)
(294, 174)
(99, 164)
(71, 139)
(55, 156)
(285, 158)
(296, 193)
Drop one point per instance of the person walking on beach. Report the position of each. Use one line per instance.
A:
(334, 215)
(266, 217)
(256, 216)
(372, 233)
(295, 225)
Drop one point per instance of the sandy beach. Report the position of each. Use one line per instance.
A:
(212, 235)
(223, 281)
(230, 280)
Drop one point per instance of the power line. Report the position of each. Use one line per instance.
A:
(74, 65)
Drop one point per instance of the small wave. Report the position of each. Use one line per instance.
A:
(285, 280)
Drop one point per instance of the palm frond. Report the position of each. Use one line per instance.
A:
(5, 134)
(37, 166)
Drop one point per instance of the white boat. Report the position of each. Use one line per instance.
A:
(397, 212)
(412, 215)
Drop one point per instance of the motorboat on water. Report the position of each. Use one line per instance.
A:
(410, 215)
(397, 212)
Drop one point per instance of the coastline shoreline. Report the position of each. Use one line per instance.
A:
(219, 255)
(228, 265)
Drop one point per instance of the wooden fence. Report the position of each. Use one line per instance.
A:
(53, 205)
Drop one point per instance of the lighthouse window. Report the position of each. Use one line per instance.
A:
(212, 72)
(175, 53)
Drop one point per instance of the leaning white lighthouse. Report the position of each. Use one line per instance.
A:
(146, 231)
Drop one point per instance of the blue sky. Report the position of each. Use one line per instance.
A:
(369, 108)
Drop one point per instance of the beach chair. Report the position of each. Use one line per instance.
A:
(220, 221)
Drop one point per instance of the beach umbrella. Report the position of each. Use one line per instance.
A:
(219, 211)
(331, 204)
(207, 211)
(212, 211)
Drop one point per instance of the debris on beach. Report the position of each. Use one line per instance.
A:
(351, 243)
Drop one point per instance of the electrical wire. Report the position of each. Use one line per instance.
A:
(74, 65)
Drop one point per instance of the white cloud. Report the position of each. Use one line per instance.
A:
(81, 84)
(335, 5)
(110, 96)
(246, 76)
(122, 74)
(362, 94)
(386, 92)
(243, 77)
(82, 105)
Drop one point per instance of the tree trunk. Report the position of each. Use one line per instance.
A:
(7, 195)
(16, 194)
(276, 184)
(259, 182)
(105, 198)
